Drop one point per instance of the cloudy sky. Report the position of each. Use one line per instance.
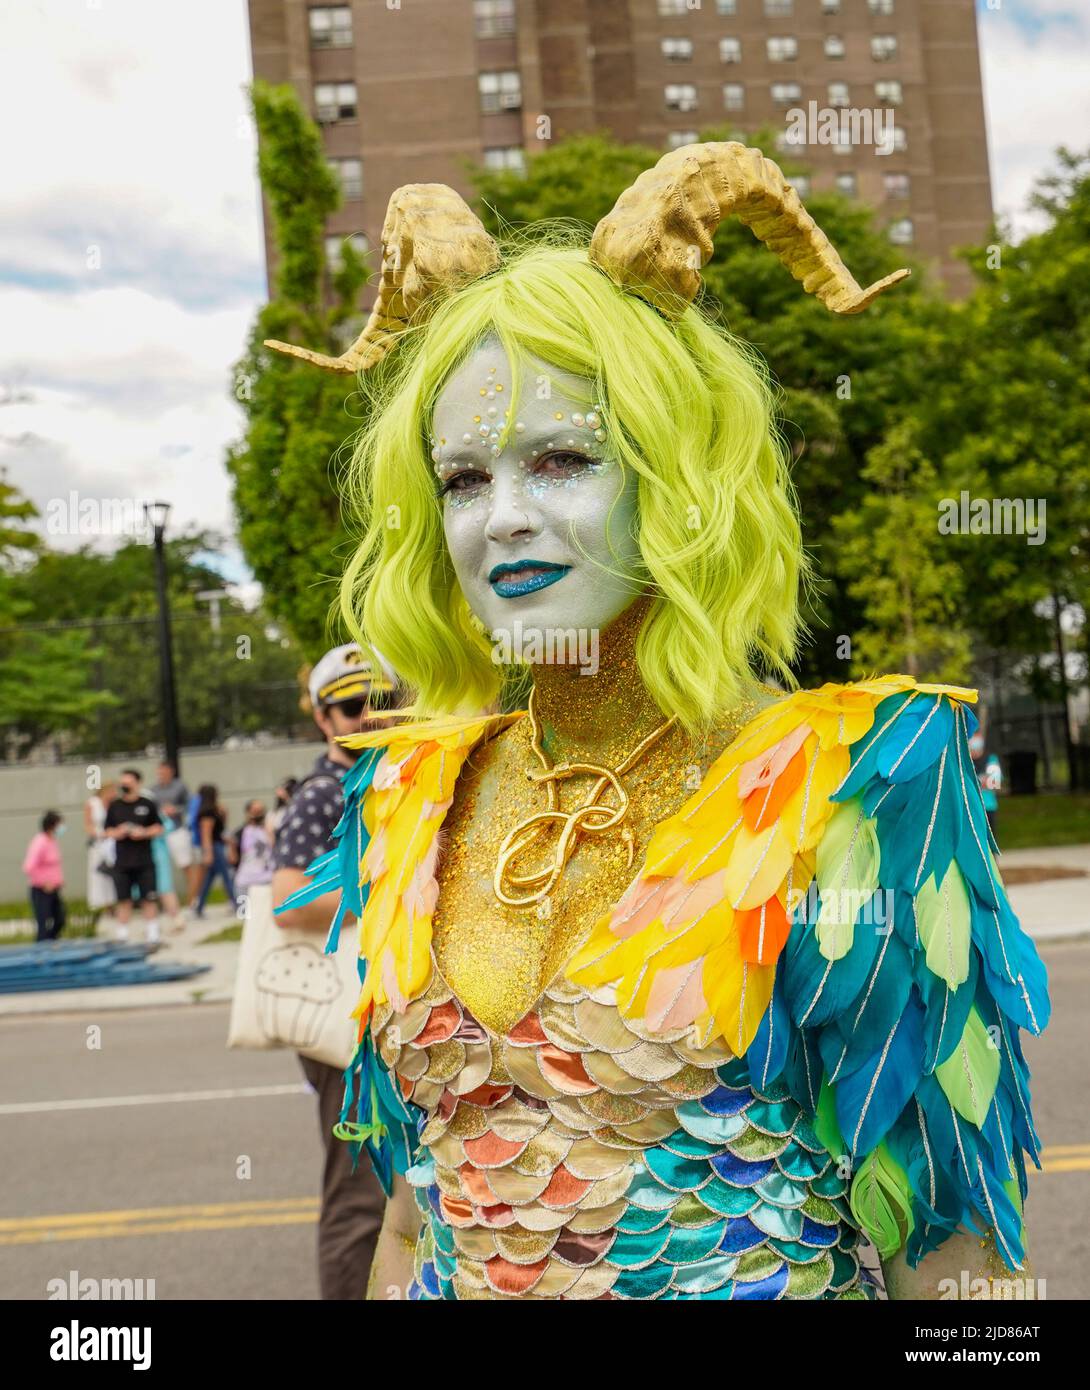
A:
(131, 260)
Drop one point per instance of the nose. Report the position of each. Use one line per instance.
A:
(512, 515)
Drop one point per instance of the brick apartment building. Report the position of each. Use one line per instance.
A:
(410, 90)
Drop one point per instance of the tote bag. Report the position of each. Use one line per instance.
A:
(289, 993)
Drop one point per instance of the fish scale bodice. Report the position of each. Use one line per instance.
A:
(573, 1158)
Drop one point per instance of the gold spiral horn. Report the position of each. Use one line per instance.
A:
(430, 241)
(659, 234)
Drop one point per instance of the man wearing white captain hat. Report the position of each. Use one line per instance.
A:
(345, 693)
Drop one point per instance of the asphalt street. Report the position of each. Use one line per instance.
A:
(158, 1154)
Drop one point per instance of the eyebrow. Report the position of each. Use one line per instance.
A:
(465, 453)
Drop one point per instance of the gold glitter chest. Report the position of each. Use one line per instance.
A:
(497, 959)
(500, 959)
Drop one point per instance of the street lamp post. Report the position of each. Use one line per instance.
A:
(156, 515)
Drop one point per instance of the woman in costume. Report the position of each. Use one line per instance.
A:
(673, 985)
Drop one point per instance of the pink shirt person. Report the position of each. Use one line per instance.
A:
(42, 864)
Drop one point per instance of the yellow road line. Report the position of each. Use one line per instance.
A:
(202, 1209)
(46, 1236)
(1051, 1149)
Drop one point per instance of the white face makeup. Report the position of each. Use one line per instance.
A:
(531, 526)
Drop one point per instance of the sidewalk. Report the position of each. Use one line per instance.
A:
(1057, 909)
(214, 986)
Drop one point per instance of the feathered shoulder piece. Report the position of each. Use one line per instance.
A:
(383, 863)
(828, 904)
(408, 795)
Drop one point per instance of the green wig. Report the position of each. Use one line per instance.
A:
(687, 408)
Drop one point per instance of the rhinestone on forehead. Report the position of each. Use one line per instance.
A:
(488, 428)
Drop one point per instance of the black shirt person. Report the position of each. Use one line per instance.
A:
(133, 821)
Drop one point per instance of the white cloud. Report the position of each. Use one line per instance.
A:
(1036, 92)
(131, 248)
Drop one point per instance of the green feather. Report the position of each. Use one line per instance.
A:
(944, 924)
(826, 1125)
(847, 874)
(881, 1201)
(969, 1075)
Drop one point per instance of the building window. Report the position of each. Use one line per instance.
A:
(896, 185)
(349, 174)
(834, 46)
(786, 93)
(782, 50)
(830, 6)
(730, 50)
(880, 6)
(331, 26)
(500, 91)
(779, 9)
(729, 7)
(680, 96)
(494, 19)
(899, 140)
(883, 47)
(677, 50)
(334, 248)
(677, 138)
(889, 91)
(838, 94)
(734, 96)
(335, 101)
(842, 142)
(902, 232)
(671, 7)
(846, 184)
(511, 157)
(801, 184)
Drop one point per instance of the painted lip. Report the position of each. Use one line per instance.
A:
(531, 576)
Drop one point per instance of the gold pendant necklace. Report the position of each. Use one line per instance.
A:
(588, 818)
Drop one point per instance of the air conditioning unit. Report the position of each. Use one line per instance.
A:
(327, 114)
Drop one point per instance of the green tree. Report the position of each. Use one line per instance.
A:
(1006, 410)
(234, 678)
(299, 420)
(43, 676)
(907, 585)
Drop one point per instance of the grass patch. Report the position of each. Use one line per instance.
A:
(1043, 821)
(231, 933)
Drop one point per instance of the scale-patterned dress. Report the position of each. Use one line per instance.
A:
(798, 1028)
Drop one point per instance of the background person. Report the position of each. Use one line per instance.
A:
(164, 866)
(211, 820)
(255, 849)
(45, 875)
(284, 793)
(101, 850)
(133, 821)
(171, 796)
(344, 693)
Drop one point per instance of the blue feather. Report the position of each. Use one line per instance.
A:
(869, 1100)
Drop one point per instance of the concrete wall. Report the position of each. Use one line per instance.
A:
(27, 792)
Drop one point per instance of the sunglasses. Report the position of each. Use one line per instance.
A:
(378, 700)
